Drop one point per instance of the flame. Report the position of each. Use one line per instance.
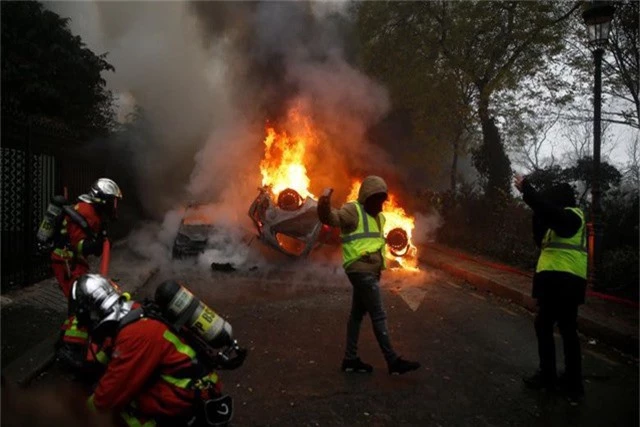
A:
(283, 165)
(395, 217)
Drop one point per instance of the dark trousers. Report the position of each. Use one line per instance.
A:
(367, 299)
(565, 313)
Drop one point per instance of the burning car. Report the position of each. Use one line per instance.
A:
(285, 211)
(291, 224)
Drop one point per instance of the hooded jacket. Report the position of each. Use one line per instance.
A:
(346, 218)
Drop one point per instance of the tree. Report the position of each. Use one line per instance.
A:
(498, 45)
(531, 137)
(579, 140)
(436, 99)
(47, 72)
(625, 69)
(620, 68)
(632, 168)
(492, 47)
(582, 172)
(545, 179)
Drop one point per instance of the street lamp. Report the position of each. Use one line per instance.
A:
(597, 15)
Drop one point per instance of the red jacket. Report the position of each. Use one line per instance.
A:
(146, 361)
(76, 234)
(68, 263)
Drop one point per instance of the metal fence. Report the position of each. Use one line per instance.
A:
(38, 160)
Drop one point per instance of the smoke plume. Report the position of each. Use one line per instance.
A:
(205, 77)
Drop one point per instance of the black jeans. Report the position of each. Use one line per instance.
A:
(367, 299)
(565, 313)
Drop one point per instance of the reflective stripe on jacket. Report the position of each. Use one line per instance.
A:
(367, 238)
(72, 333)
(154, 370)
(565, 254)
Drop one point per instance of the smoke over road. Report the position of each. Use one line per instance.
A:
(205, 77)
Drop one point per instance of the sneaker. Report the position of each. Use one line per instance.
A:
(356, 365)
(574, 390)
(401, 366)
(539, 381)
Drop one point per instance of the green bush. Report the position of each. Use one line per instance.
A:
(619, 272)
(498, 229)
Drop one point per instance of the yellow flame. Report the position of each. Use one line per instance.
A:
(395, 217)
(283, 165)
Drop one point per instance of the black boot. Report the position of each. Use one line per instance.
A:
(356, 365)
(401, 366)
(540, 381)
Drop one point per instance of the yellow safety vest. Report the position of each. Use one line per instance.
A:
(367, 238)
(565, 254)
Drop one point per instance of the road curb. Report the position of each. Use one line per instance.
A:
(37, 359)
(626, 343)
(486, 284)
(587, 325)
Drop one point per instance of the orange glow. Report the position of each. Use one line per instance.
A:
(395, 217)
(288, 151)
(283, 165)
(198, 215)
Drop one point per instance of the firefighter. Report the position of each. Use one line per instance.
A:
(361, 226)
(97, 207)
(78, 238)
(559, 283)
(153, 377)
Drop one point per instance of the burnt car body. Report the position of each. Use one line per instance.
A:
(290, 224)
(193, 233)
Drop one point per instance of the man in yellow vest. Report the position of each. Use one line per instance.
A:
(559, 283)
(361, 231)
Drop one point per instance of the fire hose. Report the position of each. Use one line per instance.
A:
(106, 257)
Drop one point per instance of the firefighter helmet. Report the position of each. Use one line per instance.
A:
(102, 191)
(96, 300)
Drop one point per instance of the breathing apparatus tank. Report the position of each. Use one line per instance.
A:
(183, 309)
(49, 224)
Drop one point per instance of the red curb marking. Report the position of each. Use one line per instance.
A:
(503, 267)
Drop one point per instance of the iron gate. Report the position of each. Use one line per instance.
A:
(38, 160)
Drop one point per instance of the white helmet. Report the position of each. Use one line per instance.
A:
(102, 191)
(97, 300)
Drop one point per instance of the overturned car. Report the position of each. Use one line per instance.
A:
(290, 224)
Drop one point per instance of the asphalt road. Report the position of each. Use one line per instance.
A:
(474, 349)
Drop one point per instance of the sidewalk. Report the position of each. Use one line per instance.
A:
(610, 322)
(31, 317)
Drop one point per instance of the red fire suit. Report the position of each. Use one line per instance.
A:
(152, 374)
(69, 262)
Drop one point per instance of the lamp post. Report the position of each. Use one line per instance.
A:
(597, 16)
